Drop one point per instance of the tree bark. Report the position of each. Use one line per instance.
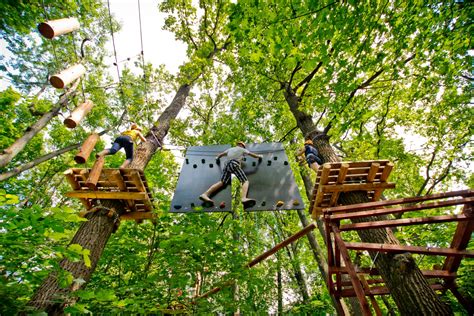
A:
(94, 234)
(409, 289)
(9, 153)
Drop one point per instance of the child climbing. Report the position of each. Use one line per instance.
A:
(311, 155)
(125, 140)
(235, 155)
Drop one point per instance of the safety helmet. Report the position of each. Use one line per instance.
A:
(241, 143)
(308, 142)
(135, 126)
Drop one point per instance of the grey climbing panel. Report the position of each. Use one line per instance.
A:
(200, 170)
(272, 183)
(272, 180)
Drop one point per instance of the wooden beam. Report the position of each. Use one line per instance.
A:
(86, 148)
(406, 222)
(359, 290)
(401, 209)
(373, 301)
(69, 174)
(136, 179)
(386, 172)
(107, 195)
(430, 274)
(347, 187)
(282, 244)
(412, 249)
(117, 178)
(461, 239)
(374, 167)
(371, 205)
(382, 290)
(137, 215)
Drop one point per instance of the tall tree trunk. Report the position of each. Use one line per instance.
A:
(9, 153)
(279, 286)
(409, 289)
(94, 234)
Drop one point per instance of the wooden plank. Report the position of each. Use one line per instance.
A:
(461, 239)
(386, 172)
(377, 194)
(406, 222)
(136, 178)
(357, 187)
(442, 274)
(69, 174)
(382, 290)
(373, 301)
(107, 195)
(364, 304)
(117, 178)
(282, 244)
(137, 216)
(374, 167)
(342, 173)
(400, 209)
(370, 205)
(412, 249)
(357, 164)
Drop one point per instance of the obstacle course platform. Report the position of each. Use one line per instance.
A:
(272, 183)
(334, 178)
(128, 185)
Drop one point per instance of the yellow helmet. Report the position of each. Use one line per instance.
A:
(241, 143)
(308, 142)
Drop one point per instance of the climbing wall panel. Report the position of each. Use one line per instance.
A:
(200, 170)
(272, 183)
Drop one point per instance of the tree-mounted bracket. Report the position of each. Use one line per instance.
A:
(272, 183)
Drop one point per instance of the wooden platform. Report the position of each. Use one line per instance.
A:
(127, 185)
(334, 178)
(363, 282)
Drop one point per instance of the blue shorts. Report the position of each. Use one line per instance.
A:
(311, 158)
(124, 142)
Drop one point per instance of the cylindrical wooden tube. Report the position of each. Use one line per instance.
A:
(54, 28)
(67, 76)
(86, 148)
(94, 175)
(78, 114)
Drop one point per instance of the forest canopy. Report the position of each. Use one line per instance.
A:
(378, 80)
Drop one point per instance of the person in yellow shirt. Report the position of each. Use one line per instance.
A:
(125, 141)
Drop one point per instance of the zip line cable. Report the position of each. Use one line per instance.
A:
(116, 59)
(143, 61)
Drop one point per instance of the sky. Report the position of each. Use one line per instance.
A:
(159, 46)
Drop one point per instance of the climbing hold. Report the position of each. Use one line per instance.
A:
(264, 203)
(193, 205)
(245, 159)
(222, 205)
(203, 160)
(296, 202)
(254, 164)
(211, 165)
(286, 163)
(260, 159)
(177, 207)
(280, 203)
(195, 166)
(275, 158)
(249, 203)
(218, 161)
(187, 161)
(269, 163)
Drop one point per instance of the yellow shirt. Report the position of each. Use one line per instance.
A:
(133, 133)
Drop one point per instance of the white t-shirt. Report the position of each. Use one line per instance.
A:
(236, 153)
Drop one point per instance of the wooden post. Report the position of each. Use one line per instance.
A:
(67, 76)
(87, 148)
(78, 114)
(54, 28)
(95, 173)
